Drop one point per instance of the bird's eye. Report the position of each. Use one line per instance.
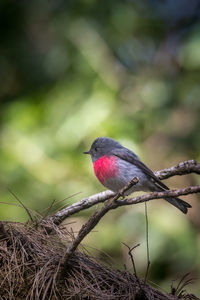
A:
(95, 149)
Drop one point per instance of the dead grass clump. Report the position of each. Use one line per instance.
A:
(30, 262)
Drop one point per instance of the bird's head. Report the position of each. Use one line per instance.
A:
(102, 146)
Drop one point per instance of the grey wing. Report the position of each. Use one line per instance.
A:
(129, 156)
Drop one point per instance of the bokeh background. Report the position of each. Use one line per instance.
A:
(74, 70)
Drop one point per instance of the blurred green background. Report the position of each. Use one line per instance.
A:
(74, 70)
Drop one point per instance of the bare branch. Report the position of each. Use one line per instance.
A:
(158, 195)
(85, 203)
(190, 166)
(183, 168)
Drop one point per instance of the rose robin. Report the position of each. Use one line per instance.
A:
(115, 165)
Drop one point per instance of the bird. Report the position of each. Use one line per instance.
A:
(115, 166)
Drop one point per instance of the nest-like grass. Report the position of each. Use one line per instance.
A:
(30, 268)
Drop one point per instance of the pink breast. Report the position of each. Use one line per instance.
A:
(105, 167)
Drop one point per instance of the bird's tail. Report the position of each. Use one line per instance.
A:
(179, 203)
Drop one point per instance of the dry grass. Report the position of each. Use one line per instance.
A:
(30, 262)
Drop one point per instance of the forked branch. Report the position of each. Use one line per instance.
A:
(114, 202)
(186, 167)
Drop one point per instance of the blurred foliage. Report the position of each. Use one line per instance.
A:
(74, 70)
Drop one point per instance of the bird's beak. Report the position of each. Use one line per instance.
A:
(86, 152)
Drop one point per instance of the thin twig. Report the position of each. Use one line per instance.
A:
(26, 209)
(131, 256)
(147, 241)
(134, 267)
